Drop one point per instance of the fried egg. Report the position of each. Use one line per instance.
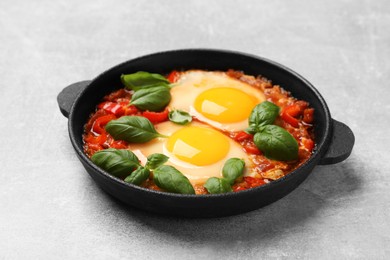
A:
(197, 150)
(215, 98)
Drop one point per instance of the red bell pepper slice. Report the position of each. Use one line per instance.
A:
(100, 139)
(98, 125)
(156, 117)
(130, 110)
(112, 107)
(241, 136)
(289, 113)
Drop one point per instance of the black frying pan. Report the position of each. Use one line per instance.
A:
(334, 139)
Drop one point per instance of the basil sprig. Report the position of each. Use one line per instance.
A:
(155, 160)
(133, 129)
(172, 180)
(122, 163)
(276, 143)
(142, 173)
(263, 114)
(216, 185)
(151, 90)
(179, 117)
(140, 79)
(138, 176)
(119, 163)
(154, 98)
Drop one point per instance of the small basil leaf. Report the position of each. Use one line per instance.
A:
(155, 160)
(154, 98)
(263, 114)
(140, 79)
(179, 117)
(216, 185)
(116, 162)
(170, 179)
(233, 169)
(276, 143)
(138, 176)
(133, 129)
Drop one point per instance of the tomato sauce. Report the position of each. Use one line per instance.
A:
(296, 117)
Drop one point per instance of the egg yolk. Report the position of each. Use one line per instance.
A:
(225, 105)
(198, 145)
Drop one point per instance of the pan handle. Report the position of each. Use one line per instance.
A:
(341, 144)
(68, 96)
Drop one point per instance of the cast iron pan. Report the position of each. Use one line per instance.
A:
(334, 139)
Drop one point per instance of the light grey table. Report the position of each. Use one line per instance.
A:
(51, 209)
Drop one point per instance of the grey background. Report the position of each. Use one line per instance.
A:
(51, 209)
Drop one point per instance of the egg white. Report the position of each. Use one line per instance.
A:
(195, 174)
(193, 82)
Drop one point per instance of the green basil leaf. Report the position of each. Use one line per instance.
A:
(163, 85)
(141, 79)
(133, 129)
(216, 185)
(263, 114)
(179, 117)
(138, 176)
(155, 160)
(170, 179)
(233, 169)
(276, 143)
(154, 98)
(116, 162)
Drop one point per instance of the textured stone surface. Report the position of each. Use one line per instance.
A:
(51, 209)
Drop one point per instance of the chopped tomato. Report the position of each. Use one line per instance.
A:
(308, 115)
(289, 113)
(98, 125)
(95, 147)
(295, 133)
(302, 104)
(252, 149)
(264, 164)
(156, 117)
(239, 188)
(112, 107)
(308, 144)
(173, 76)
(114, 96)
(241, 136)
(234, 73)
(303, 154)
(254, 182)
